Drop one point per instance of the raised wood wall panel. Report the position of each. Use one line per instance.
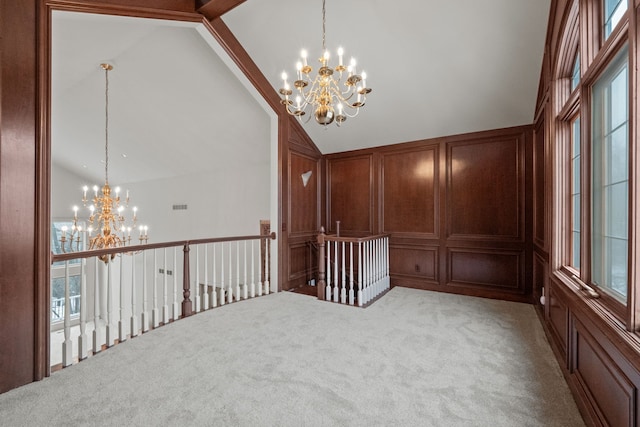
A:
(301, 263)
(539, 277)
(303, 207)
(539, 186)
(494, 269)
(558, 319)
(410, 189)
(412, 262)
(610, 392)
(350, 183)
(485, 188)
(18, 153)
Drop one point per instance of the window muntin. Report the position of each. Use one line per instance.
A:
(575, 194)
(613, 12)
(575, 72)
(58, 272)
(610, 179)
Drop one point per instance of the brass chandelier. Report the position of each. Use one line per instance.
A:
(324, 95)
(107, 212)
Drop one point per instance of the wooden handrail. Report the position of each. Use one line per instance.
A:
(135, 248)
(187, 306)
(334, 238)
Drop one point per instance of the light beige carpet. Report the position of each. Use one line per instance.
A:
(414, 358)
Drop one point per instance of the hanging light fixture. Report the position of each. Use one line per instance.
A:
(324, 95)
(106, 213)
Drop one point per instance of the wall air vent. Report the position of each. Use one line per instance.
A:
(179, 207)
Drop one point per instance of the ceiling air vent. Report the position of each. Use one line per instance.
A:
(179, 207)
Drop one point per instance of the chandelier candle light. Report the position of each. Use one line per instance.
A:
(324, 94)
(106, 212)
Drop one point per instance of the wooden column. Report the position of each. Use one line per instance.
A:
(186, 286)
(321, 265)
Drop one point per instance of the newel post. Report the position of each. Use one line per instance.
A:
(321, 265)
(186, 285)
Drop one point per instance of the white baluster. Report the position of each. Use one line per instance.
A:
(176, 304)
(111, 333)
(230, 284)
(238, 296)
(343, 290)
(222, 283)
(245, 293)
(351, 296)
(260, 287)
(67, 345)
(386, 258)
(327, 291)
(165, 307)
(205, 292)
(380, 253)
(372, 290)
(83, 341)
(371, 278)
(267, 264)
(336, 278)
(134, 317)
(145, 312)
(122, 324)
(214, 298)
(376, 268)
(253, 271)
(367, 272)
(380, 265)
(197, 290)
(155, 313)
(360, 274)
(97, 329)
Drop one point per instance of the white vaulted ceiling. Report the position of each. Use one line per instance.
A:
(436, 68)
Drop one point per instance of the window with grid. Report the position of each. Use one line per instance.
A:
(610, 179)
(575, 216)
(613, 12)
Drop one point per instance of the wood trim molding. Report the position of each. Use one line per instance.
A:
(168, 9)
(212, 9)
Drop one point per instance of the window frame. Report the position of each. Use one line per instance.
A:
(596, 54)
(618, 308)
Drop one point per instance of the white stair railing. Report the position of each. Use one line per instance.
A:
(357, 269)
(120, 288)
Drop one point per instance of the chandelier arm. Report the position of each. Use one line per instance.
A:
(342, 99)
(306, 121)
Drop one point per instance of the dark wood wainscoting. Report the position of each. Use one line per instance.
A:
(350, 195)
(455, 208)
(302, 208)
(598, 358)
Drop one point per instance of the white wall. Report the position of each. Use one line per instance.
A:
(66, 192)
(220, 203)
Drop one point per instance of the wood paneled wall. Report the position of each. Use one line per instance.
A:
(18, 152)
(599, 358)
(303, 208)
(455, 208)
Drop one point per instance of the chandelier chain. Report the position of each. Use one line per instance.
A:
(323, 26)
(106, 125)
